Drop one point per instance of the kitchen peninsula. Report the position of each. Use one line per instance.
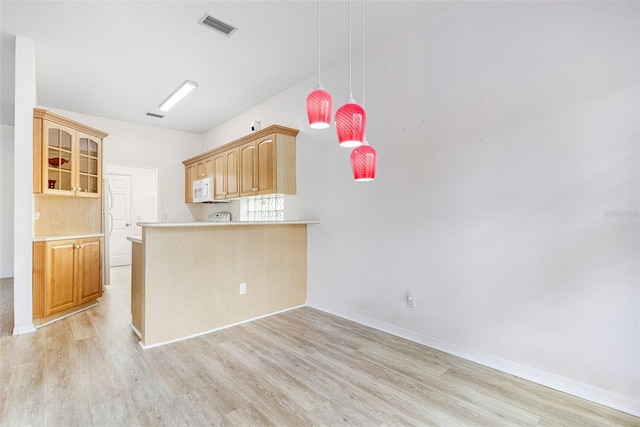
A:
(187, 279)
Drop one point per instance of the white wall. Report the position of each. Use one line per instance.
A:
(6, 200)
(25, 99)
(134, 145)
(506, 196)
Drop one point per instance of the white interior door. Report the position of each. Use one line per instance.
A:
(119, 246)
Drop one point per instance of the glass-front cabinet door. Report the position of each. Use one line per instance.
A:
(59, 158)
(67, 156)
(73, 161)
(88, 166)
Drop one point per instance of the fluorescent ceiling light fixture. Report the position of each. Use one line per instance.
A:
(179, 93)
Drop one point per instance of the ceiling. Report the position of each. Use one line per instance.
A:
(121, 59)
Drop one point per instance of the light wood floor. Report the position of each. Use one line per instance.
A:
(299, 368)
(6, 308)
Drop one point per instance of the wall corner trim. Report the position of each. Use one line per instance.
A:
(547, 379)
(24, 329)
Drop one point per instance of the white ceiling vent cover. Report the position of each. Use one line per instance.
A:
(217, 25)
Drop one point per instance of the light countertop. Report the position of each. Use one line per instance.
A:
(135, 239)
(222, 224)
(74, 236)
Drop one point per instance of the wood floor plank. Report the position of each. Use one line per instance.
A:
(302, 367)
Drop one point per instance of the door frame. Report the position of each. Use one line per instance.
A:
(134, 172)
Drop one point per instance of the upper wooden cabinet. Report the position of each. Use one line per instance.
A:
(204, 168)
(190, 172)
(67, 156)
(247, 168)
(265, 167)
(225, 182)
(263, 162)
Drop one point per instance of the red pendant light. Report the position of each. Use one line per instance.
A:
(319, 101)
(351, 118)
(319, 108)
(364, 162)
(364, 159)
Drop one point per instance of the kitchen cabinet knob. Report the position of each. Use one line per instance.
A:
(126, 225)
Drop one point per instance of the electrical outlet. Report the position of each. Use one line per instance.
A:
(243, 288)
(411, 299)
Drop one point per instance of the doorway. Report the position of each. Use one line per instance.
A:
(120, 219)
(133, 198)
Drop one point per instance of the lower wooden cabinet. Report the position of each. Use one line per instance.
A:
(67, 273)
(89, 270)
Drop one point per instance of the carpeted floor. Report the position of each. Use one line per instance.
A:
(6, 307)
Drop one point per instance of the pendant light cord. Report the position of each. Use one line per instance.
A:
(350, 91)
(319, 80)
(362, 12)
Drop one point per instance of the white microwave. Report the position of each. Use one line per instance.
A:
(203, 190)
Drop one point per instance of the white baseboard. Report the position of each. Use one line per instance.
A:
(556, 382)
(57, 319)
(24, 329)
(136, 331)
(145, 347)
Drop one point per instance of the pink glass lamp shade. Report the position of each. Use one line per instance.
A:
(351, 120)
(364, 162)
(319, 108)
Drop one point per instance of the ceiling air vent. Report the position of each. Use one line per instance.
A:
(158, 116)
(217, 25)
